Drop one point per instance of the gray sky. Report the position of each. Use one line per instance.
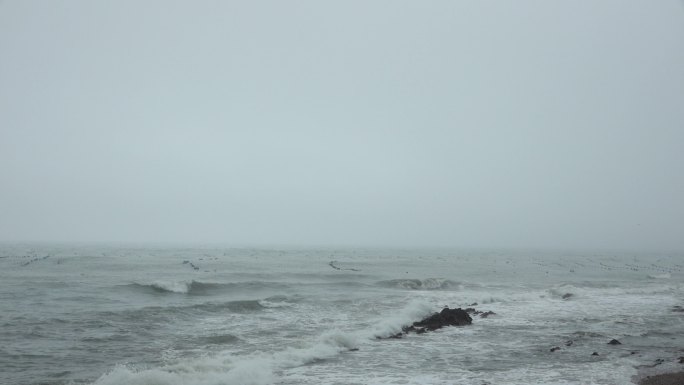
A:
(423, 123)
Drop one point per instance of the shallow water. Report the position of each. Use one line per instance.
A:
(107, 315)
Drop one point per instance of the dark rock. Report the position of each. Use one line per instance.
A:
(353, 349)
(566, 295)
(471, 310)
(678, 309)
(473, 304)
(447, 317)
(614, 342)
(555, 348)
(569, 343)
(681, 360)
(594, 354)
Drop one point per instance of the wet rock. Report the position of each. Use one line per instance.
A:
(569, 343)
(594, 354)
(678, 309)
(681, 360)
(614, 342)
(567, 295)
(447, 317)
(553, 349)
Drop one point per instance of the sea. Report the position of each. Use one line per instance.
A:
(161, 315)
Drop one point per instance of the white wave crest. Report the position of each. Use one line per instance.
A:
(179, 287)
(414, 311)
(248, 372)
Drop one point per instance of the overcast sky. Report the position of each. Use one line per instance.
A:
(361, 123)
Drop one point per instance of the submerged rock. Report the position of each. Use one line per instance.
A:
(487, 314)
(482, 314)
(555, 348)
(614, 342)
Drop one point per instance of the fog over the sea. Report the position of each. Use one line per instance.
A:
(390, 123)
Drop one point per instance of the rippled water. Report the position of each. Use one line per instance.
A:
(109, 315)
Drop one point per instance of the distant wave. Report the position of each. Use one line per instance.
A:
(603, 290)
(660, 276)
(201, 288)
(161, 313)
(243, 306)
(421, 284)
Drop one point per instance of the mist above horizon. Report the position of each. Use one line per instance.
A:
(492, 124)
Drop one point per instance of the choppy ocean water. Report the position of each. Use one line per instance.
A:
(108, 315)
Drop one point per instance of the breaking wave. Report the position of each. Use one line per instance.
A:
(261, 368)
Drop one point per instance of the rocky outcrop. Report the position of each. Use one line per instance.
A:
(446, 317)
